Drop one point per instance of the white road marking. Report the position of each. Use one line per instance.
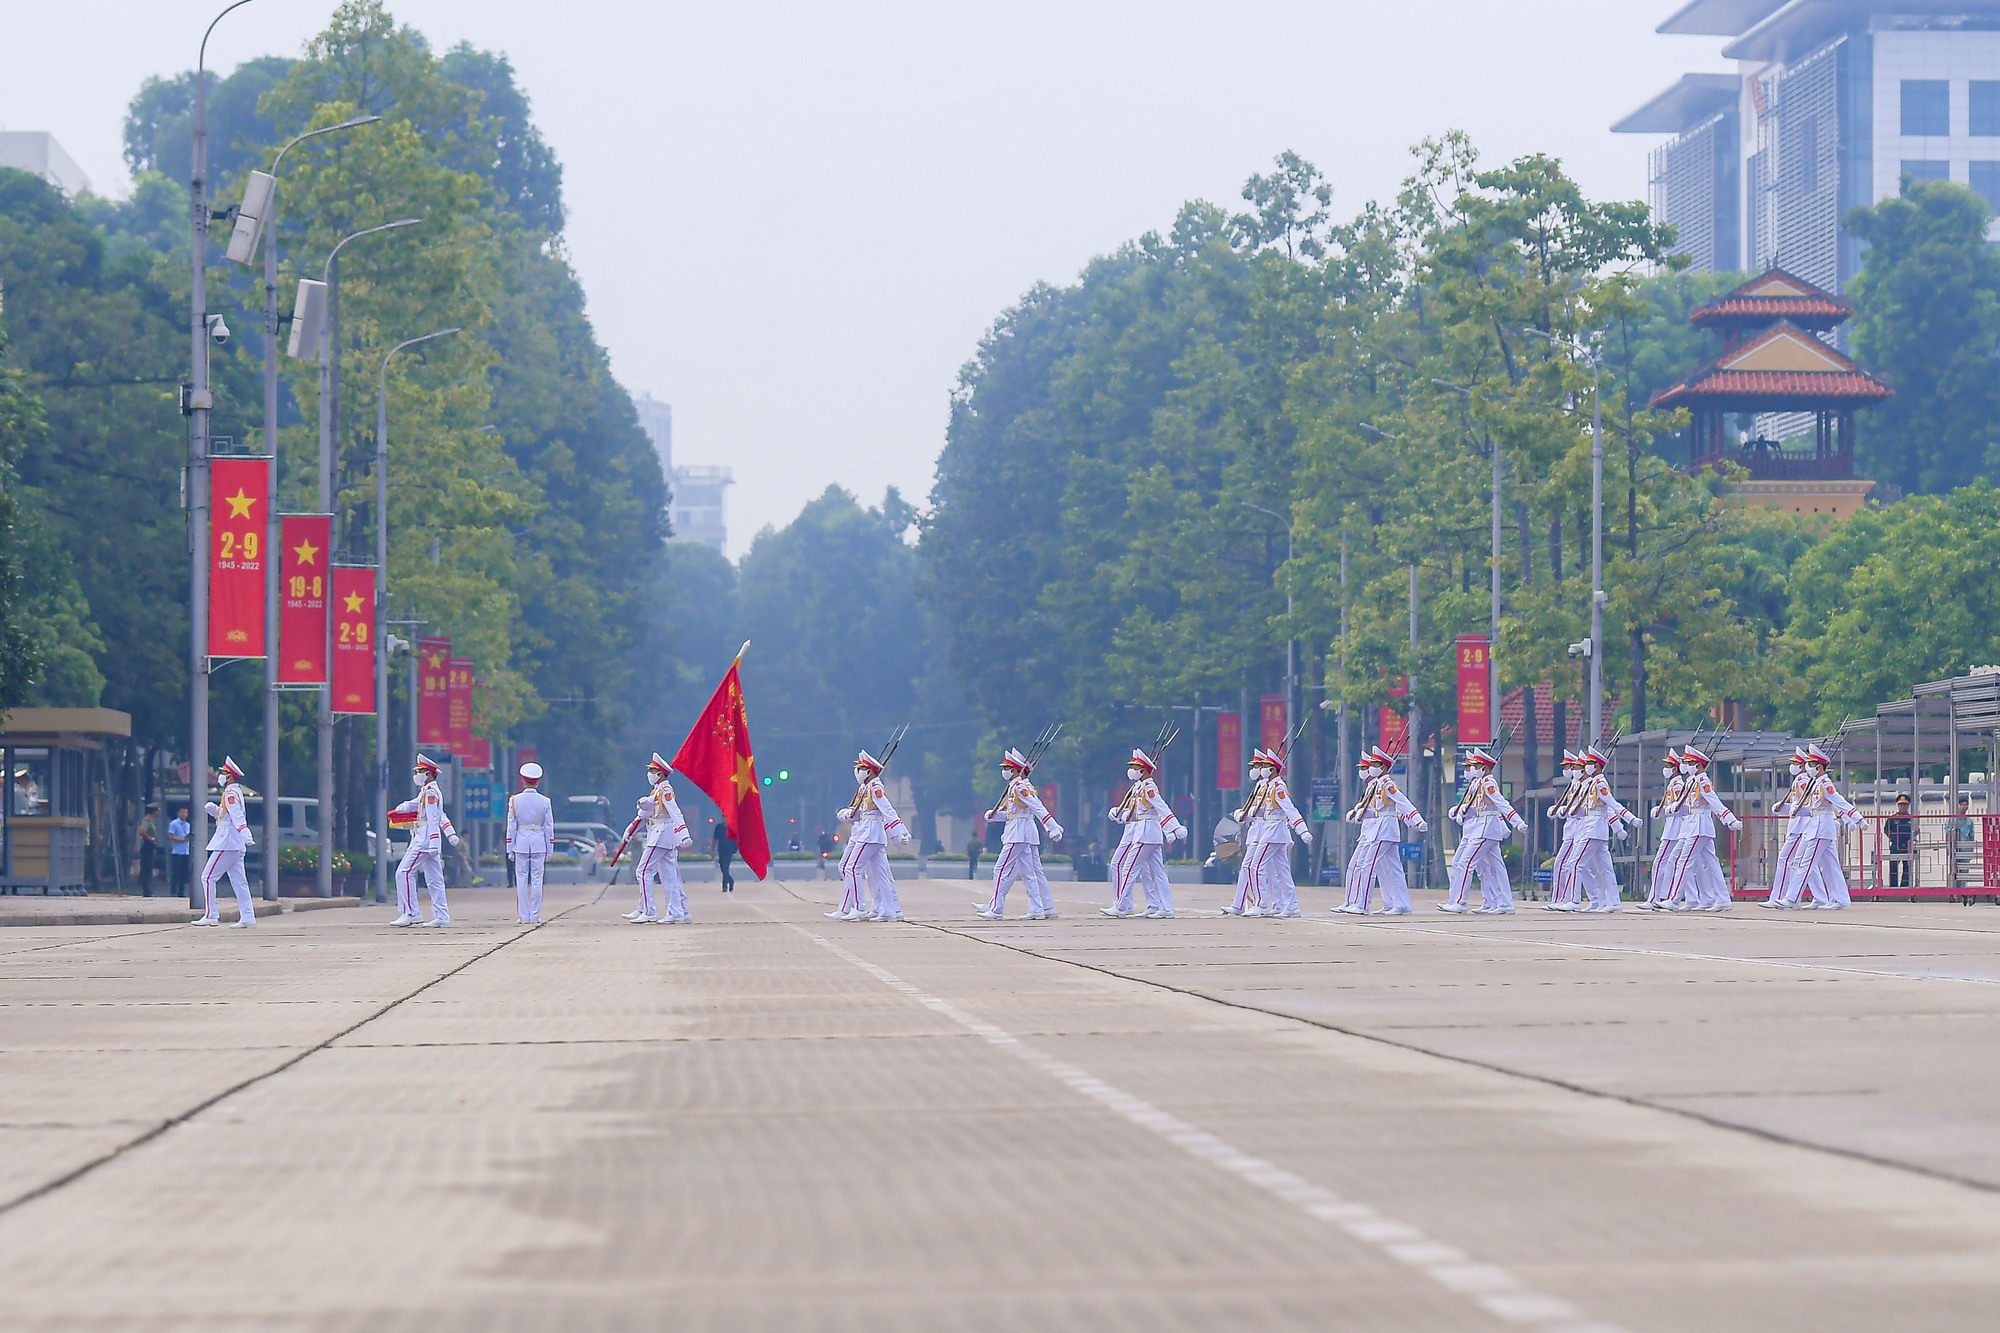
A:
(1488, 1286)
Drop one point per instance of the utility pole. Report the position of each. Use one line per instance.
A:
(1597, 598)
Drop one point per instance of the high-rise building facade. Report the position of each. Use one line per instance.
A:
(697, 511)
(1832, 105)
(38, 152)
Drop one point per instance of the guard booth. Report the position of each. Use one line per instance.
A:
(49, 756)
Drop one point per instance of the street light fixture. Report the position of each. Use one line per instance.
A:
(1595, 358)
(381, 603)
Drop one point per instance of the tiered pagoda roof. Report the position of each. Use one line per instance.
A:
(1771, 296)
(1782, 369)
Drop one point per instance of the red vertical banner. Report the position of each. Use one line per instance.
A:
(458, 699)
(434, 692)
(304, 563)
(479, 757)
(353, 639)
(239, 498)
(1228, 751)
(1475, 696)
(1051, 794)
(1271, 722)
(1394, 729)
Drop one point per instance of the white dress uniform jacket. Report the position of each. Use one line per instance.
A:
(1702, 807)
(1146, 815)
(1486, 812)
(1271, 816)
(1384, 809)
(1596, 809)
(874, 819)
(232, 829)
(1826, 809)
(1023, 810)
(433, 827)
(531, 824)
(665, 825)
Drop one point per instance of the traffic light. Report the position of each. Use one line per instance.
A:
(784, 775)
(767, 779)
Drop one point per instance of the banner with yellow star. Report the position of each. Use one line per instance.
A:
(239, 509)
(353, 639)
(305, 564)
(434, 692)
(716, 757)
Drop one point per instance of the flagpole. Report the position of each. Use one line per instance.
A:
(740, 651)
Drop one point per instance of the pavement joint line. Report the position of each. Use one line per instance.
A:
(160, 1128)
(1489, 1286)
(1471, 1062)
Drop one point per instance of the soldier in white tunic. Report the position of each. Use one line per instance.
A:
(1484, 818)
(1793, 869)
(1382, 812)
(1026, 819)
(1828, 812)
(1700, 885)
(660, 862)
(430, 828)
(225, 850)
(871, 822)
(1141, 855)
(1565, 871)
(531, 834)
(1599, 816)
(1665, 891)
(1269, 821)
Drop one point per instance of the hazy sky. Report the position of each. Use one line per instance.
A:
(794, 221)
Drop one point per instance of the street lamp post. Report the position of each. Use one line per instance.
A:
(1597, 598)
(273, 771)
(1291, 644)
(200, 402)
(381, 813)
(329, 370)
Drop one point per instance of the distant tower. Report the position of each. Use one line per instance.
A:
(657, 420)
(697, 509)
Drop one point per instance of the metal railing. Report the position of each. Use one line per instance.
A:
(1889, 856)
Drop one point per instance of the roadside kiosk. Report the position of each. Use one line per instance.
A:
(45, 820)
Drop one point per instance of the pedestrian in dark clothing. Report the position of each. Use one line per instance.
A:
(826, 848)
(149, 849)
(1900, 830)
(973, 846)
(725, 852)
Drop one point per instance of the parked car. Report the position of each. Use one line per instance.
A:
(298, 825)
(583, 840)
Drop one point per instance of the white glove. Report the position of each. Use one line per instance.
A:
(1520, 826)
(1306, 836)
(214, 810)
(1733, 825)
(1551, 812)
(988, 816)
(454, 840)
(902, 839)
(1418, 826)
(1114, 816)
(1353, 818)
(843, 814)
(1055, 831)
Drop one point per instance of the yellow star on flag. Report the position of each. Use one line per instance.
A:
(305, 551)
(746, 775)
(352, 602)
(239, 503)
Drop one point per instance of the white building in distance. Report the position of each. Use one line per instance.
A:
(696, 511)
(1833, 104)
(38, 152)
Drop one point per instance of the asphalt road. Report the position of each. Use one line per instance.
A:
(768, 1120)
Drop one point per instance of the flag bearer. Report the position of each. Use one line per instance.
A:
(531, 835)
(1269, 821)
(1141, 856)
(1484, 818)
(430, 828)
(871, 822)
(1382, 812)
(225, 850)
(666, 833)
(1598, 816)
(1703, 887)
(1021, 843)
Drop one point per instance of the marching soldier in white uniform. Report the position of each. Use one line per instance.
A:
(1378, 854)
(1141, 856)
(666, 833)
(1269, 820)
(1565, 872)
(1673, 825)
(871, 822)
(1790, 878)
(1598, 815)
(225, 850)
(1021, 843)
(430, 828)
(1484, 818)
(1699, 884)
(531, 835)
(1827, 811)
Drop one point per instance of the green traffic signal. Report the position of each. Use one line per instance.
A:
(767, 780)
(784, 775)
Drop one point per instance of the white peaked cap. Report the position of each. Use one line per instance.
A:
(659, 763)
(867, 760)
(1693, 756)
(1144, 760)
(1015, 759)
(229, 767)
(426, 762)
(531, 771)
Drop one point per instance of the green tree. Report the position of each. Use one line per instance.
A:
(1927, 319)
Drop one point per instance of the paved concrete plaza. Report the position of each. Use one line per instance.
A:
(772, 1121)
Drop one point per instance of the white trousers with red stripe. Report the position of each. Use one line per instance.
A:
(1596, 873)
(1266, 878)
(1022, 861)
(226, 861)
(1377, 860)
(1481, 857)
(662, 865)
(432, 867)
(1144, 864)
(868, 863)
(1800, 867)
(1566, 875)
(1825, 873)
(528, 884)
(1666, 888)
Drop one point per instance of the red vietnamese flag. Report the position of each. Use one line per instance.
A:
(239, 495)
(353, 639)
(717, 758)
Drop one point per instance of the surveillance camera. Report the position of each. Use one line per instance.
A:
(1581, 648)
(218, 329)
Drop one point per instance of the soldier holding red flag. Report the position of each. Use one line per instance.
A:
(716, 757)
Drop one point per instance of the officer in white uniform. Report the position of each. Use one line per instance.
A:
(1665, 890)
(428, 834)
(1021, 843)
(1382, 812)
(871, 822)
(531, 835)
(1484, 818)
(1141, 855)
(1565, 872)
(1793, 869)
(1700, 886)
(1598, 814)
(225, 850)
(666, 833)
(1269, 821)
(1828, 812)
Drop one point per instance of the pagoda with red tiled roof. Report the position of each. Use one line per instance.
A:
(1772, 366)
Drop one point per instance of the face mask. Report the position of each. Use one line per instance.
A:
(1134, 773)
(861, 775)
